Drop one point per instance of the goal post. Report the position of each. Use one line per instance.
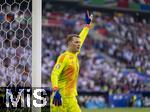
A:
(36, 46)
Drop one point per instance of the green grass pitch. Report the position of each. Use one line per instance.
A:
(117, 110)
(85, 110)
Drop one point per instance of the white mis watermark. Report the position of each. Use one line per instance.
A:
(25, 97)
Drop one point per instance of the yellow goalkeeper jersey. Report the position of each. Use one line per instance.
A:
(65, 72)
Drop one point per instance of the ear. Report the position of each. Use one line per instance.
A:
(69, 42)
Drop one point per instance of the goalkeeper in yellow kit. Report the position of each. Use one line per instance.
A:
(65, 73)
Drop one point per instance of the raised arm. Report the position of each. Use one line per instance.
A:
(83, 34)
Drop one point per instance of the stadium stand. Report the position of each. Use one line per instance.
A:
(114, 58)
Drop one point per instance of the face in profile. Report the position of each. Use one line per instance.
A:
(74, 44)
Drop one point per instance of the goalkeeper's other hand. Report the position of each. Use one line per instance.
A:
(88, 18)
(57, 98)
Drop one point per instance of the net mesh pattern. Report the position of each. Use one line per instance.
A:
(15, 46)
(15, 43)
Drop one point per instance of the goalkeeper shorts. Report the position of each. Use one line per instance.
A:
(69, 104)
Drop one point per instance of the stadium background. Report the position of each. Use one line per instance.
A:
(115, 59)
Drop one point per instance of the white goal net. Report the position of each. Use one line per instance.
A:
(15, 43)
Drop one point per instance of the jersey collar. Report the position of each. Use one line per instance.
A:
(71, 53)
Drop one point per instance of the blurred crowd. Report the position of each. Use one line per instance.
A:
(129, 41)
(139, 1)
(115, 56)
(92, 102)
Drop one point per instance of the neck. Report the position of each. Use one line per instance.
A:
(71, 51)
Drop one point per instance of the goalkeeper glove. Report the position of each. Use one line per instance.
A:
(88, 18)
(57, 98)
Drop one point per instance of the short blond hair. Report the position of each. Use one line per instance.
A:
(70, 36)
